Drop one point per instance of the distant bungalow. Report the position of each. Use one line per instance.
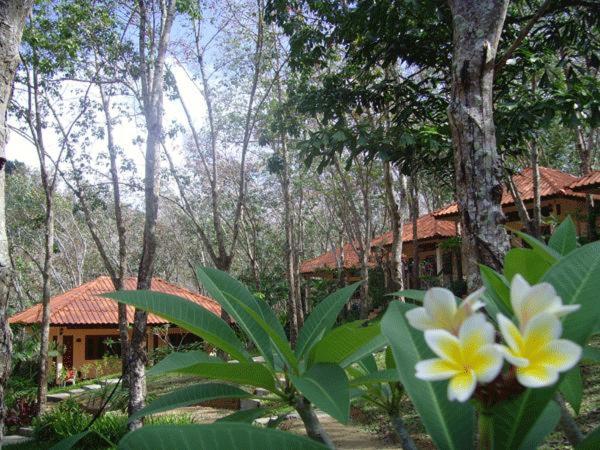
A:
(562, 195)
(84, 323)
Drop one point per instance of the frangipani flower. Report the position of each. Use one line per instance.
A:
(537, 353)
(465, 360)
(439, 310)
(529, 301)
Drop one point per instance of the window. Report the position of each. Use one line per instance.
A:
(97, 347)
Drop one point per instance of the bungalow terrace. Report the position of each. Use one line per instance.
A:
(85, 324)
(438, 233)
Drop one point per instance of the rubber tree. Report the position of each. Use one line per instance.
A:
(12, 20)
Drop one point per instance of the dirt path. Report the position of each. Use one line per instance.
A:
(348, 437)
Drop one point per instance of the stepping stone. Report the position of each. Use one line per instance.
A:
(110, 381)
(58, 397)
(261, 392)
(15, 439)
(76, 391)
(26, 431)
(259, 359)
(248, 404)
(91, 387)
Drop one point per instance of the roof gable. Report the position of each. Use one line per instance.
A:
(84, 305)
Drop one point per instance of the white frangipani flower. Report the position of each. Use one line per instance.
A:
(465, 360)
(538, 354)
(529, 301)
(439, 310)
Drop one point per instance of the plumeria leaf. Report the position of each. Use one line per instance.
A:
(497, 292)
(216, 436)
(546, 253)
(450, 424)
(413, 294)
(326, 385)
(544, 425)
(591, 441)
(572, 388)
(564, 239)
(526, 262)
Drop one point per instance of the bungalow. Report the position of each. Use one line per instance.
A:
(562, 194)
(85, 324)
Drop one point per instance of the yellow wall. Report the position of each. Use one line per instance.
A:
(79, 335)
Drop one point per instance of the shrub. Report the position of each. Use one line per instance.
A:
(21, 413)
(64, 420)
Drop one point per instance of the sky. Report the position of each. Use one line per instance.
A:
(21, 149)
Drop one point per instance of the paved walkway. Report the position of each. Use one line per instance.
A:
(25, 434)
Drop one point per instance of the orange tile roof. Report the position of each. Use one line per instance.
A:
(587, 183)
(84, 305)
(427, 228)
(552, 183)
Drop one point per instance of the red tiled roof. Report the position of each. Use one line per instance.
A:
(552, 183)
(427, 228)
(84, 305)
(589, 182)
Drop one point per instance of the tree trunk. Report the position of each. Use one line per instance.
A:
(585, 156)
(12, 19)
(414, 216)
(395, 209)
(152, 77)
(477, 25)
(313, 427)
(119, 280)
(42, 390)
(536, 224)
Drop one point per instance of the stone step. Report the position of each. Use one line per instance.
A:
(58, 397)
(109, 381)
(26, 431)
(14, 439)
(76, 391)
(91, 387)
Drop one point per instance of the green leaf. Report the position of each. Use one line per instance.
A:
(526, 262)
(564, 239)
(591, 355)
(322, 319)
(548, 254)
(591, 441)
(576, 278)
(188, 315)
(413, 294)
(381, 376)
(230, 294)
(246, 415)
(497, 292)
(513, 419)
(348, 343)
(180, 360)
(545, 424)
(251, 374)
(450, 424)
(572, 388)
(71, 441)
(190, 395)
(216, 436)
(326, 385)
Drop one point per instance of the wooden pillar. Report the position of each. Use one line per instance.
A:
(439, 263)
(59, 357)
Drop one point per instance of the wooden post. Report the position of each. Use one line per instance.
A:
(59, 358)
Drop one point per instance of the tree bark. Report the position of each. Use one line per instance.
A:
(152, 77)
(536, 224)
(414, 216)
(477, 25)
(12, 20)
(313, 427)
(395, 207)
(585, 156)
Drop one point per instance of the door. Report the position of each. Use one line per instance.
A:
(68, 354)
